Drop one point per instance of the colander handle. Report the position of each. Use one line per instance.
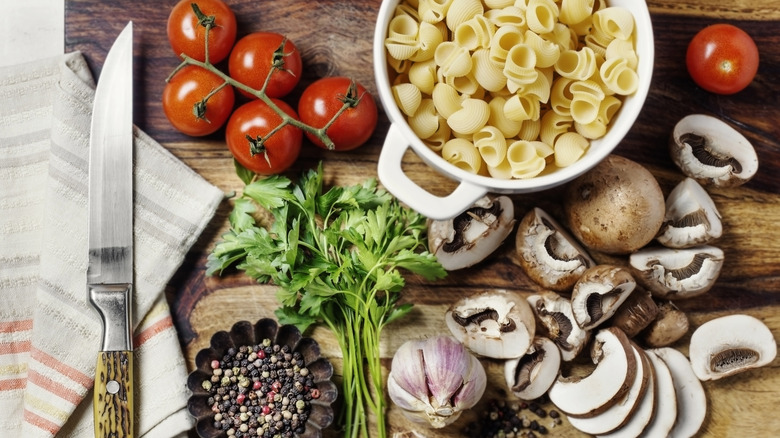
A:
(392, 176)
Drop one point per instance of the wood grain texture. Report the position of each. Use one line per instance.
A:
(113, 395)
(335, 38)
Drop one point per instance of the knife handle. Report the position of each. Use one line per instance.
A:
(113, 400)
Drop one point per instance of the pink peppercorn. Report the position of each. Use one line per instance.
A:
(266, 409)
(214, 364)
(257, 385)
(315, 393)
(240, 398)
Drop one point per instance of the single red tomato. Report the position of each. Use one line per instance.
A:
(187, 29)
(722, 59)
(253, 121)
(256, 54)
(323, 99)
(187, 107)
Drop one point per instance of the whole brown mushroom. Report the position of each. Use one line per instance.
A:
(615, 208)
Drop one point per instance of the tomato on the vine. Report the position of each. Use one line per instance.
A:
(187, 32)
(324, 98)
(256, 54)
(190, 108)
(722, 58)
(250, 124)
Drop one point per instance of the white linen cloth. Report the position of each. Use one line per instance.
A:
(49, 334)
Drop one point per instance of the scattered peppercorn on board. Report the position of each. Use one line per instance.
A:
(335, 37)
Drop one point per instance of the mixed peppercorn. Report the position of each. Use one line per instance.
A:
(263, 390)
(516, 419)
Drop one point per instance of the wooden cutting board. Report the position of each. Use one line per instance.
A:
(335, 39)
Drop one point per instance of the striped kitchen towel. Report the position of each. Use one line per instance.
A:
(49, 334)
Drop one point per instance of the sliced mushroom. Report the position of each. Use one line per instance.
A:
(691, 217)
(532, 374)
(670, 325)
(729, 345)
(642, 415)
(549, 255)
(665, 415)
(713, 153)
(498, 324)
(616, 208)
(691, 399)
(554, 313)
(636, 312)
(619, 413)
(470, 237)
(677, 273)
(616, 367)
(598, 294)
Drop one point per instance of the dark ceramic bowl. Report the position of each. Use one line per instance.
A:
(244, 333)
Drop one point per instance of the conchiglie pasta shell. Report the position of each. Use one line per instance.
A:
(618, 77)
(508, 16)
(423, 75)
(520, 108)
(569, 148)
(586, 100)
(502, 171)
(553, 125)
(609, 106)
(440, 137)
(462, 10)
(400, 66)
(575, 11)
(503, 41)
(541, 15)
(560, 96)
(524, 160)
(491, 144)
(403, 27)
(470, 118)
(530, 130)
(498, 4)
(452, 59)
(576, 64)
(509, 128)
(405, 8)
(547, 52)
(433, 11)
(593, 130)
(462, 154)
(446, 99)
(622, 49)
(474, 32)
(425, 122)
(543, 149)
(520, 66)
(538, 89)
(465, 85)
(614, 21)
(401, 49)
(563, 36)
(429, 39)
(407, 97)
(488, 74)
(598, 42)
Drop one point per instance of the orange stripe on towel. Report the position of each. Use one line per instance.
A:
(62, 368)
(153, 330)
(15, 347)
(11, 384)
(55, 388)
(16, 326)
(41, 423)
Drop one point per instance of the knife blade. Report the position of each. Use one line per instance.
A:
(110, 268)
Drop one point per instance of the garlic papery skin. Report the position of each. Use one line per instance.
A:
(434, 380)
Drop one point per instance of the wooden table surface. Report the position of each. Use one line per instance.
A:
(335, 38)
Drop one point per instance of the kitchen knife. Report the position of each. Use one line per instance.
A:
(110, 269)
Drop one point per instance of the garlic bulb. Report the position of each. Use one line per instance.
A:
(434, 380)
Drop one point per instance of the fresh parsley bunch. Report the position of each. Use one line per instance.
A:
(336, 256)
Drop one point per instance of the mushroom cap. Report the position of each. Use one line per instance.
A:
(710, 151)
(691, 217)
(616, 208)
(598, 293)
(691, 400)
(636, 312)
(729, 345)
(473, 235)
(616, 367)
(531, 375)
(677, 273)
(497, 323)
(620, 412)
(548, 254)
(554, 313)
(669, 326)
